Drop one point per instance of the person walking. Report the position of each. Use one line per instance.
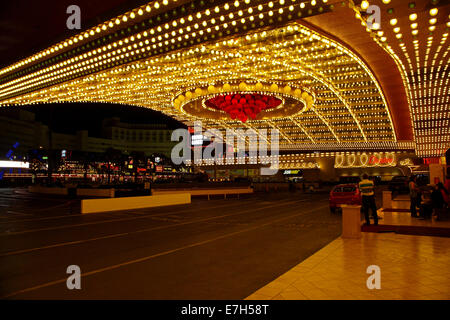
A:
(414, 196)
(366, 188)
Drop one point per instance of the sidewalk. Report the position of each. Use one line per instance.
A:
(401, 222)
(412, 267)
(404, 219)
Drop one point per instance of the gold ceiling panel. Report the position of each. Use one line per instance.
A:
(415, 35)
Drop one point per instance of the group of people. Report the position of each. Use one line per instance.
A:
(439, 200)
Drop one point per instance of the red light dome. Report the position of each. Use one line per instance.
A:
(243, 106)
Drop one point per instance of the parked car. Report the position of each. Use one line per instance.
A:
(344, 194)
(399, 185)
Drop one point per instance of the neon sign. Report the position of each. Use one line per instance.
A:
(365, 160)
(431, 161)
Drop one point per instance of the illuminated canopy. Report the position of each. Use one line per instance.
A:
(172, 56)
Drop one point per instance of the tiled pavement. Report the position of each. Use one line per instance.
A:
(404, 219)
(412, 267)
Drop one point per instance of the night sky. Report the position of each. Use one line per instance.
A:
(70, 117)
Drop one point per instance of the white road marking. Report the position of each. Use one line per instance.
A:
(116, 266)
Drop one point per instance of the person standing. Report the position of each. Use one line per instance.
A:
(447, 184)
(440, 200)
(437, 200)
(414, 196)
(366, 188)
(444, 191)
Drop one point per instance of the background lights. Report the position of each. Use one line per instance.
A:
(423, 66)
(364, 5)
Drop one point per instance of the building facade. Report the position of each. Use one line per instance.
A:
(20, 126)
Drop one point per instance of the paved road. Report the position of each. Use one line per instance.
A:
(218, 249)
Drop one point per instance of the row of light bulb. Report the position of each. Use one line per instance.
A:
(119, 43)
(112, 23)
(411, 82)
(86, 35)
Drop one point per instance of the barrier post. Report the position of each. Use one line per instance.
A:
(351, 222)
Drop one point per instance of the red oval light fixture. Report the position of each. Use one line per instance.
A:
(243, 106)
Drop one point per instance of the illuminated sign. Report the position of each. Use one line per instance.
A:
(365, 160)
(406, 162)
(432, 160)
(292, 172)
(14, 164)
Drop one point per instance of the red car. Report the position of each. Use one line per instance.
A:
(344, 194)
